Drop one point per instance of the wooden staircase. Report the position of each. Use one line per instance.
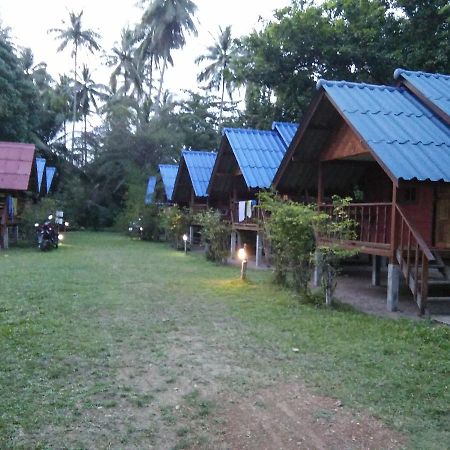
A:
(425, 272)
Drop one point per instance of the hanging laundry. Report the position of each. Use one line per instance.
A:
(241, 211)
(248, 208)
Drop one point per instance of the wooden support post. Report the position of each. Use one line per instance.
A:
(233, 245)
(394, 233)
(318, 269)
(392, 287)
(191, 235)
(376, 265)
(258, 249)
(320, 185)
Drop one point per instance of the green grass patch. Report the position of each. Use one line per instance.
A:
(103, 320)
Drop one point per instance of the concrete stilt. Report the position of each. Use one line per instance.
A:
(239, 239)
(392, 287)
(258, 249)
(318, 269)
(191, 235)
(376, 266)
(233, 245)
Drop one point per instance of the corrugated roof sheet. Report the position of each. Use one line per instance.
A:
(40, 168)
(286, 130)
(150, 190)
(433, 86)
(49, 174)
(200, 165)
(168, 175)
(16, 161)
(405, 135)
(258, 154)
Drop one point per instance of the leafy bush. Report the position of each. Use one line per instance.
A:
(151, 223)
(175, 222)
(290, 228)
(340, 227)
(215, 235)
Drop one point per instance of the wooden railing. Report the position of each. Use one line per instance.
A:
(373, 221)
(414, 256)
(197, 208)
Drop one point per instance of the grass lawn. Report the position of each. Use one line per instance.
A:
(113, 343)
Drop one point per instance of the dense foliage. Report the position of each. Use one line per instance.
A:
(215, 235)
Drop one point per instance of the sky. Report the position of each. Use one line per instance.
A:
(30, 21)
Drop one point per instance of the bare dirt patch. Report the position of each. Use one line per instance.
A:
(289, 417)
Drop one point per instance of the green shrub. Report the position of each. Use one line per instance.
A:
(175, 222)
(151, 223)
(290, 228)
(215, 235)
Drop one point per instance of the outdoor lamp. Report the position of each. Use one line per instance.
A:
(50, 217)
(66, 224)
(185, 238)
(36, 224)
(242, 255)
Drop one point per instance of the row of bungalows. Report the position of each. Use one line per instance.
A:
(229, 180)
(22, 175)
(386, 146)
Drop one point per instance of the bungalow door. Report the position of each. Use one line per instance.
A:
(442, 230)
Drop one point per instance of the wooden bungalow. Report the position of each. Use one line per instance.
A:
(389, 148)
(246, 163)
(191, 183)
(165, 182)
(17, 176)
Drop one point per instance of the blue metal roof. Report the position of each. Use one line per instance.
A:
(258, 154)
(150, 190)
(433, 86)
(200, 165)
(40, 168)
(49, 174)
(404, 134)
(286, 130)
(168, 175)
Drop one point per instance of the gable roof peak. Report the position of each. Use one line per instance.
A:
(417, 73)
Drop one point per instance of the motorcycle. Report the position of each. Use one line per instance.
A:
(47, 236)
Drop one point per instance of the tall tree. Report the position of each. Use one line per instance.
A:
(77, 37)
(219, 73)
(167, 21)
(89, 92)
(125, 63)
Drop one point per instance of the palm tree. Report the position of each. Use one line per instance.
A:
(89, 92)
(126, 64)
(77, 37)
(219, 73)
(166, 21)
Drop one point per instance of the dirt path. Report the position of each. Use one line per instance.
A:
(192, 405)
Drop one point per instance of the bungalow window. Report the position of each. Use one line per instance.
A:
(408, 195)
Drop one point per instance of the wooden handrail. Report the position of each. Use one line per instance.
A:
(422, 244)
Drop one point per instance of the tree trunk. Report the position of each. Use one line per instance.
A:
(85, 142)
(161, 80)
(74, 109)
(221, 100)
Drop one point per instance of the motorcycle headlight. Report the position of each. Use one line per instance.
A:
(36, 225)
(130, 228)
(60, 237)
